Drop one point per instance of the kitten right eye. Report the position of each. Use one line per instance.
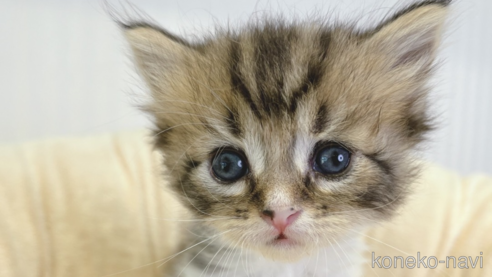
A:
(229, 166)
(332, 159)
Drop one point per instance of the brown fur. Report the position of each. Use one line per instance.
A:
(273, 91)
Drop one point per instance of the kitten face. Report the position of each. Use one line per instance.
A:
(308, 123)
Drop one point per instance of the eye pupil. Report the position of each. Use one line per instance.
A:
(227, 166)
(340, 158)
(332, 159)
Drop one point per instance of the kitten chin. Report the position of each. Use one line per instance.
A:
(283, 137)
(286, 253)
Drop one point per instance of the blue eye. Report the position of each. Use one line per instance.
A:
(331, 159)
(229, 166)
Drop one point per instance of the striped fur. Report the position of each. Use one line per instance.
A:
(274, 90)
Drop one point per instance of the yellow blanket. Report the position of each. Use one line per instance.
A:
(96, 206)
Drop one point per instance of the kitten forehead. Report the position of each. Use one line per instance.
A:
(274, 65)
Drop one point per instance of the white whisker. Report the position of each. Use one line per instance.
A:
(167, 258)
(181, 272)
(342, 263)
(317, 258)
(211, 260)
(362, 234)
(193, 220)
(173, 256)
(365, 261)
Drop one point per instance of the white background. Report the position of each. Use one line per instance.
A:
(64, 69)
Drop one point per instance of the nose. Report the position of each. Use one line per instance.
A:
(280, 218)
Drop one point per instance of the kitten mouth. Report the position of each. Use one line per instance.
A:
(281, 237)
(283, 241)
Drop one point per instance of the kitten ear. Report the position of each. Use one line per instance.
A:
(156, 51)
(412, 35)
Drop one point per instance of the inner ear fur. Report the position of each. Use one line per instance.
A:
(411, 36)
(156, 51)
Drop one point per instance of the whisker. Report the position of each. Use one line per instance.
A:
(363, 258)
(220, 260)
(345, 254)
(342, 263)
(173, 256)
(168, 258)
(232, 249)
(317, 258)
(326, 256)
(196, 256)
(245, 260)
(362, 234)
(195, 220)
(211, 260)
(241, 239)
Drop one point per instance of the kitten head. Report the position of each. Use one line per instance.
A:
(289, 136)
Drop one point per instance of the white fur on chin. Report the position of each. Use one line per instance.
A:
(344, 258)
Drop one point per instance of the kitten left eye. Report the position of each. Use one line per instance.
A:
(332, 159)
(229, 166)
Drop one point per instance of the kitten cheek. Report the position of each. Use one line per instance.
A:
(333, 186)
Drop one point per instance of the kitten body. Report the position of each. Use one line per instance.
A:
(285, 140)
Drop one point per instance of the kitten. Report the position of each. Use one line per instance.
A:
(285, 140)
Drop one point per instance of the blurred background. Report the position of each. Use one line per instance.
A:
(65, 69)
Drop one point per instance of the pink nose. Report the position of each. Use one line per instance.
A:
(280, 218)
